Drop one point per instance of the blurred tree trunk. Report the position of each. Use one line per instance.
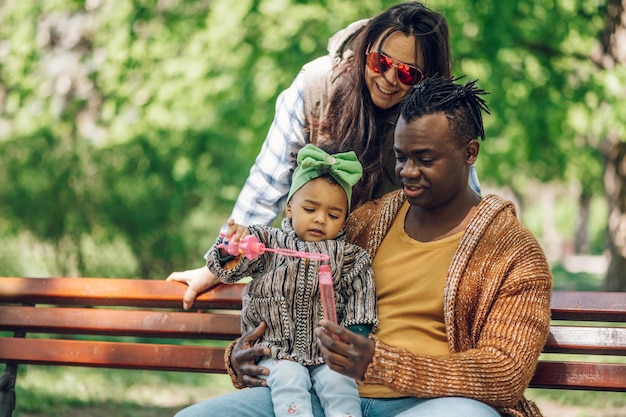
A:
(615, 185)
(613, 42)
(581, 240)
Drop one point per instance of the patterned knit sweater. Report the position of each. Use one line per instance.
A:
(284, 291)
(496, 308)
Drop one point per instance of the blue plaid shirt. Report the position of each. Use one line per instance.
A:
(264, 194)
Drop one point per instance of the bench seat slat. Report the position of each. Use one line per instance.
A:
(85, 321)
(580, 376)
(588, 305)
(114, 292)
(588, 340)
(113, 355)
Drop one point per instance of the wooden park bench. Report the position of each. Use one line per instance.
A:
(140, 324)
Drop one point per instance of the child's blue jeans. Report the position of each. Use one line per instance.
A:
(290, 384)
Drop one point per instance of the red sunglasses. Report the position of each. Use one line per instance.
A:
(381, 63)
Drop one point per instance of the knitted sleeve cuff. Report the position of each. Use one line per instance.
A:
(237, 383)
(384, 365)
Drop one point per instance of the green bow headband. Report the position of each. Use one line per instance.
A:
(313, 162)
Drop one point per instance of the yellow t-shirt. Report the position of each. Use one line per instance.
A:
(410, 278)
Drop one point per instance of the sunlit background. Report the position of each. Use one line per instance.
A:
(127, 128)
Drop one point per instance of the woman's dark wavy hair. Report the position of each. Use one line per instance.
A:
(461, 103)
(352, 118)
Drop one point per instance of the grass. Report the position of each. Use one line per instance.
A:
(53, 391)
(586, 399)
(566, 403)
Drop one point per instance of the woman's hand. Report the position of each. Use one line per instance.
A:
(348, 353)
(198, 280)
(244, 356)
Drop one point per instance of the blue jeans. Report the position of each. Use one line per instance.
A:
(291, 384)
(257, 402)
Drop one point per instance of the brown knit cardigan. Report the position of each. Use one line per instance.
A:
(496, 308)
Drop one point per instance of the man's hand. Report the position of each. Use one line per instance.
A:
(198, 280)
(244, 357)
(348, 353)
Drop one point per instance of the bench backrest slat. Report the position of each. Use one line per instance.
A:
(588, 305)
(587, 340)
(85, 321)
(580, 376)
(113, 292)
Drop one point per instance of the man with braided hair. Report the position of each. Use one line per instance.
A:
(463, 289)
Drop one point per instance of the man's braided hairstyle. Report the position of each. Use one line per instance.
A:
(461, 103)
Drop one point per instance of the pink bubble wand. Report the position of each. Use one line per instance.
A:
(251, 248)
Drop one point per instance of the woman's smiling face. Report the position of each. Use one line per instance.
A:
(385, 89)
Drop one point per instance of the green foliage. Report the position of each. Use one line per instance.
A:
(541, 78)
(141, 119)
(134, 124)
(581, 281)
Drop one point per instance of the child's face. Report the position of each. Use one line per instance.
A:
(318, 210)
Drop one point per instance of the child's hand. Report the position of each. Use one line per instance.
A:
(235, 233)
